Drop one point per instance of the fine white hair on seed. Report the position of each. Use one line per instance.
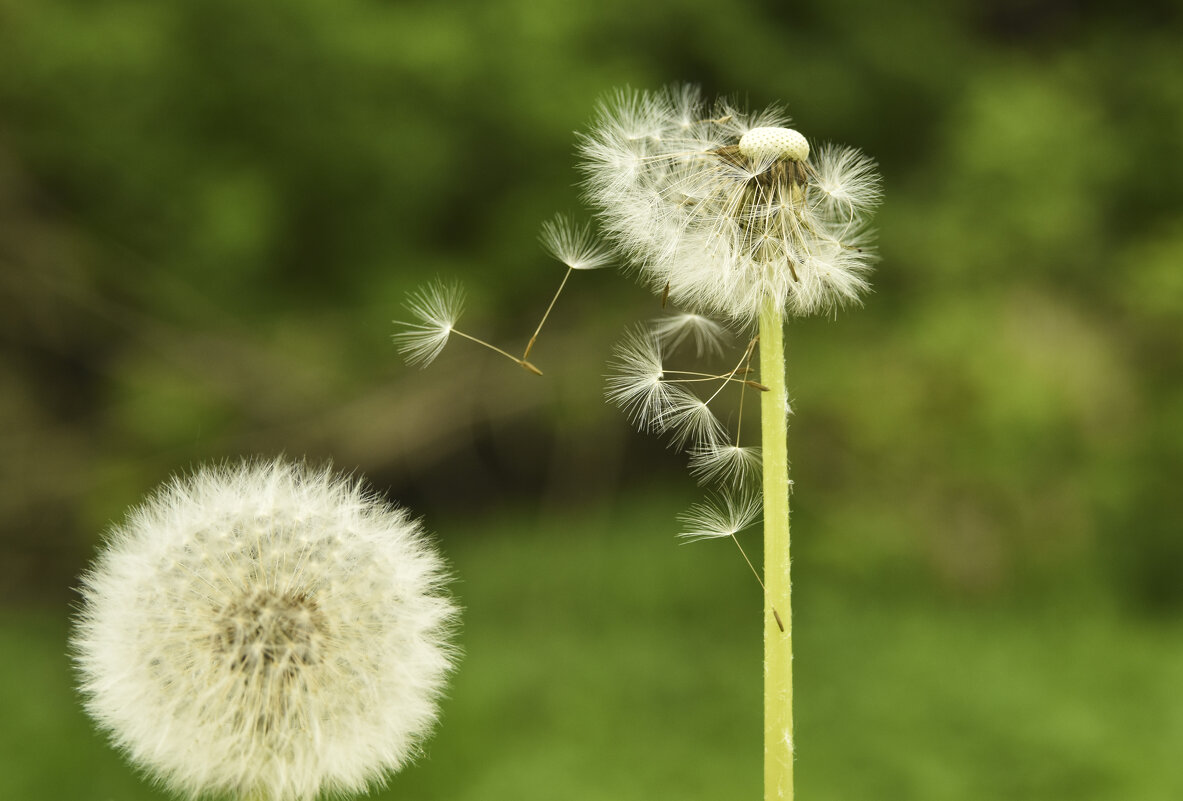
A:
(723, 515)
(435, 308)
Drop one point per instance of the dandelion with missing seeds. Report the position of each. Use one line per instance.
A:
(727, 212)
(733, 215)
(265, 630)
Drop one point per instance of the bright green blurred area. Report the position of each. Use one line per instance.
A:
(211, 211)
(619, 667)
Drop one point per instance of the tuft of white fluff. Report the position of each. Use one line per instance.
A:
(727, 211)
(267, 630)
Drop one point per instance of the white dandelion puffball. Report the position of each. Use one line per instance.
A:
(266, 630)
(729, 211)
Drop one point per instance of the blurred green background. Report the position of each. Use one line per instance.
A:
(210, 212)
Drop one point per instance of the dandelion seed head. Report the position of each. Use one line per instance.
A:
(265, 629)
(730, 211)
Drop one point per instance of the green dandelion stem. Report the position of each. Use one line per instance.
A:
(778, 632)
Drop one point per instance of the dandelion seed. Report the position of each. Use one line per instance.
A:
(726, 209)
(436, 308)
(265, 630)
(726, 464)
(690, 421)
(574, 247)
(707, 335)
(635, 381)
(723, 516)
(847, 181)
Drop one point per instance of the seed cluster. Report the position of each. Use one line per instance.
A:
(265, 630)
